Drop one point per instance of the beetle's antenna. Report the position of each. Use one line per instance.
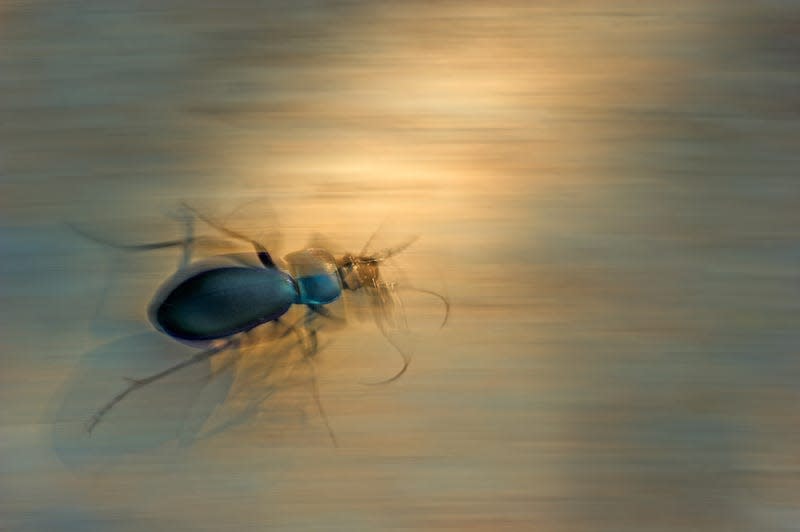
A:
(406, 359)
(135, 384)
(379, 320)
(386, 253)
(442, 298)
(371, 238)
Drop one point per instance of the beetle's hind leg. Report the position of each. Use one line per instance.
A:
(135, 384)
(188, 243)
(261, 251)
(187, 215)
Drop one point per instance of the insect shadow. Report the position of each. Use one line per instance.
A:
(219, 307)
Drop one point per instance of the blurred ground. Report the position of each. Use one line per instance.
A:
(607, 192)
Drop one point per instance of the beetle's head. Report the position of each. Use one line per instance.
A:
(359, 271)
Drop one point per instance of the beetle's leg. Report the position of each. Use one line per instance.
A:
(324, 312)
(261, 251)
(311, 331)
(187, 243)
(240, 418)
(244, 342)
(183, 242)
(308, 353)
(188, 246)
(135, 384)
(266, 394)
(315, 390)
(258, 377)
(309, 347)
(314, 343)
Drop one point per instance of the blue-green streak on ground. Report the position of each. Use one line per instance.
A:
(609, 190)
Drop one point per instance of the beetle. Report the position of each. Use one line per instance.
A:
(220, 304)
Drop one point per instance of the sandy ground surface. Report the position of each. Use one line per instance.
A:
(607, 193)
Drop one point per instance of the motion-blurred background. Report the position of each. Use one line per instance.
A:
(607, 192)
